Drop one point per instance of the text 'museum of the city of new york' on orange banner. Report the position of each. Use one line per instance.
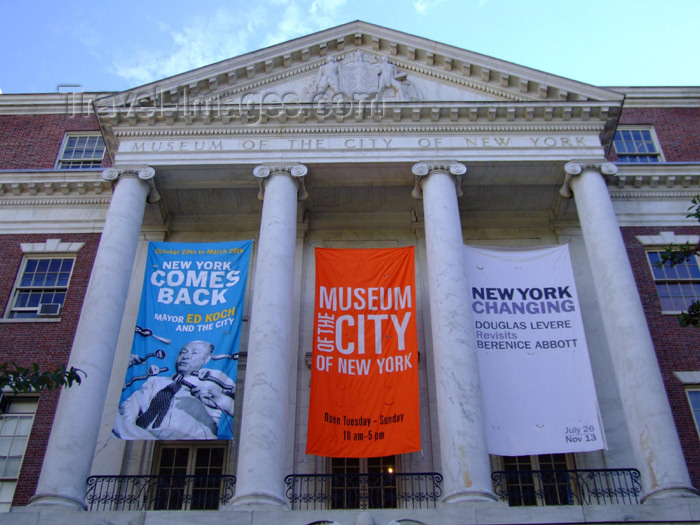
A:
(364, 373)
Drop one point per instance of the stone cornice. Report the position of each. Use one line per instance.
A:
(499, 117)
(660, 97)
(77, 103)
(355, 112)
(42, 200)
(53, 187)
(350, 130)
(650, 176)
(477, 84)
(627, 195)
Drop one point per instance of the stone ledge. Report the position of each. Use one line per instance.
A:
(659, 512)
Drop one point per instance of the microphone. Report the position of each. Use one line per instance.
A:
(153, 370)
(137, 360)
(145, 332)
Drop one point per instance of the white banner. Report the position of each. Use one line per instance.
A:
(538, 391)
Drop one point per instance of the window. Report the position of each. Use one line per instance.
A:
(41, 287)
(678, 286)
(637, 145)
(537, 480)
(16, 418)
(190, 477)
(694, 400)
(363, 483)
(81, 152)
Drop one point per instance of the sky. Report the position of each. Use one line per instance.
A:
(105, 45)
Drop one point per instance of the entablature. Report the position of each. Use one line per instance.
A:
(362, 145)
(55, 184)
(351, 75)
(658, 175)
(254, 114)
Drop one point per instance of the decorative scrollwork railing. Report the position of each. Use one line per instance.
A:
(568, 487)
(159, 492)
(419, 490)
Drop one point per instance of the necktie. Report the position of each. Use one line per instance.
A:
(160, 404)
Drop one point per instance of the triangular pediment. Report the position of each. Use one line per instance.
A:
(359, 61)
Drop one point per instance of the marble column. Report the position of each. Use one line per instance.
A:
(264, 437)
(73, 438)
(653, 435)
(464, 455)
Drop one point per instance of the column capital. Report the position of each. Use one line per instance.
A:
(296, 171)
(424, 169)
(573, 169)
(145, 173)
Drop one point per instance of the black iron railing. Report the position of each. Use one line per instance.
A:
(159, 492)
(419, 490)
(568, 487)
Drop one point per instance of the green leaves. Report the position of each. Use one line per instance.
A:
(32, 379)
(692, 316)
(694, 209)
(674, 255)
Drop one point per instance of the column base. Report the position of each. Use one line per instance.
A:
(258, 501)
(670, 492)
(469, 496)
(56, 500)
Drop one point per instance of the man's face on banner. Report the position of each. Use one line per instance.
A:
(193, 356)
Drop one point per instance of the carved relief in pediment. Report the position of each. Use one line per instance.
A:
(358, 76)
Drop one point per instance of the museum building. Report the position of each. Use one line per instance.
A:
(357, 137)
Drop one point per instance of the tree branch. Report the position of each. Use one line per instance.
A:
(31, 379)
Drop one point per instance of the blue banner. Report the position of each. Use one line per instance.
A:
(181, 379)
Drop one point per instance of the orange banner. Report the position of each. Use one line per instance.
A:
(364, 374)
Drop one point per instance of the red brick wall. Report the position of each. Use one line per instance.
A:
(677, 348)
(33, 141)
(678, 130)
(48, 344)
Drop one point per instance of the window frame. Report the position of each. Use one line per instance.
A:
(385, 493)
(693, 282)
(695, 413)
(658, 153)
(6, 401)
(74, 164)
(12, 307)
(518, 497)
(187, 494)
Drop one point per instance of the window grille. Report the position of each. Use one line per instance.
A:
(362, 483)
(41, 281)
(80, 152)
(637, 146)
(177, 464)
(678, 286)
(538, 480)
(16, 419)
